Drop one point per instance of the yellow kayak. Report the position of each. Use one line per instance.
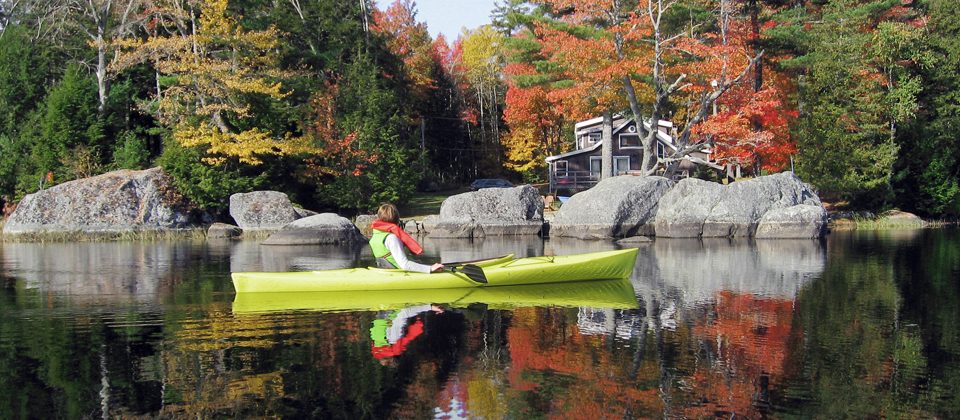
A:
(616, 294)
(505, 271)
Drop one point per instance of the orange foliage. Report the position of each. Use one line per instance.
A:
(409, 40)
(752, 336)
(341, 154)
(598, 384)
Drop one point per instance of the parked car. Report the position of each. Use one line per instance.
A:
(489, 183)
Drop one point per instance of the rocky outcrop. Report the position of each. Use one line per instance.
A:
(697, 208)
(616, 207)
(262, 210)
(223, 231)
(490, 212)
(119, 201)
(324, 228)
(800, 221)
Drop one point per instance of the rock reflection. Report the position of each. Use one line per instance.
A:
(698, 269)
(252, 256)
(123, 271)
(452, 250)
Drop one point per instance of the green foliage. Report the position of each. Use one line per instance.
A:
(130, 153)
(208, 186)
(371, 110)
(856, 94)
(69, 125)
(25, 68)
(928, 171)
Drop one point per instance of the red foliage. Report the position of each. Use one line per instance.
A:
(342, 154)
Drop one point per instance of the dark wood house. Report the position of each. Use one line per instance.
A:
(580, 169)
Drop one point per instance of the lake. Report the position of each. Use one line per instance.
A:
(862, 324)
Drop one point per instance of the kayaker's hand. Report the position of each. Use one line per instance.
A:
(436, 267)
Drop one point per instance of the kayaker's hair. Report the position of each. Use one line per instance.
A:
(388, 213)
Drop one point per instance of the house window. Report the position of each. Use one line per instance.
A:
(593, 138)
(560, 167)
(596, 165)
(621, 164)
(628, 141)
(661, 151)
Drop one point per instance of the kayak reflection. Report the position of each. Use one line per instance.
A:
(615, 294)
(390, 333)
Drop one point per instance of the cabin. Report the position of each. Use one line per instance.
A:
(580, 169)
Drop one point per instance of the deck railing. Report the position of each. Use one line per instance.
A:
(574, 181)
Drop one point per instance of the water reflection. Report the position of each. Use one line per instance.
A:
(857, 326)
(251, 256)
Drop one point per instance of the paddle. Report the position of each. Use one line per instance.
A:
(472, 272)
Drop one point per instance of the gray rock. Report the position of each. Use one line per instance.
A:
(262, 210)
(223, 230)
(490, 212)
(699, 208)
(684, 209)
(635, 240)
(800, 221)
(429, 222)
(410, 226)
(903, 218)
(302, 212)
(324, 228)
(119, 201)
(616, 207)
(363, 222)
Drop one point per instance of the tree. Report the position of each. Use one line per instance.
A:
(855, 94)
(927, 172)
(481, 63)
(619, 55)
(538, 127)
(215, 71)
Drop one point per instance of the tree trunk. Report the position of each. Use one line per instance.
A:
(606, 148)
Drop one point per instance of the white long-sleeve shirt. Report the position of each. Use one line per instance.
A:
(395, 331)
(399, 254)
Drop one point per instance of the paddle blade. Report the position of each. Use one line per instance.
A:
(472, 272)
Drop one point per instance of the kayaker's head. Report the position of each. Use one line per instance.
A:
(388, 213)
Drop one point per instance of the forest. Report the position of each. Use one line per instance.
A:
(345, 105)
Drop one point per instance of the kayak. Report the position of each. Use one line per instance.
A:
(503, 271)
(614, 294)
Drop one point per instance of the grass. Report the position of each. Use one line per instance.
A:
(426, 203)
(882, 223)
(128, 236)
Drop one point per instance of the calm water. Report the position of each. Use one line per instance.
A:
(859, 325)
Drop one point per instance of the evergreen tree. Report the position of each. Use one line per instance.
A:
(928, 168)
(854, 94)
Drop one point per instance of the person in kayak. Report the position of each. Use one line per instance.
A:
(389, 243)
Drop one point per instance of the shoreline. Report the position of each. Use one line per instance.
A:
(845, 222)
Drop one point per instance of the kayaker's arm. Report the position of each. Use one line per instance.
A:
(397, 251)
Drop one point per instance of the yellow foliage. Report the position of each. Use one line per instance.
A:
(483, 55)
(215, 67)
(245, 145)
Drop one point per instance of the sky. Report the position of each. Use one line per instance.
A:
(449, 16)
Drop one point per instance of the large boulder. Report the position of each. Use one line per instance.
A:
(119, 201)
(800, 221)
(490, 212)
(324, 228)
(616, 207)
(262, 210)
(699, 208)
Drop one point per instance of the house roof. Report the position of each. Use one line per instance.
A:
(596, 146)
(587, 126)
